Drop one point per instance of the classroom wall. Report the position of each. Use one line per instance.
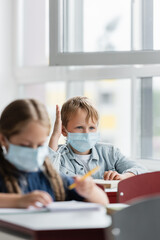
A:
(8, 87)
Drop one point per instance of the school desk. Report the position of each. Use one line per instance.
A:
(110, 187)
(112, 194)
(55, 225)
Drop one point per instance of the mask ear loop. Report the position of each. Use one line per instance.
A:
(4, 148)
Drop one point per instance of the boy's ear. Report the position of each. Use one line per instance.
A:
(64, 131)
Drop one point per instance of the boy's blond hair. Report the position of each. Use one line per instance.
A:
(70, 107)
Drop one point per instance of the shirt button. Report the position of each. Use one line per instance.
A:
(67, 172)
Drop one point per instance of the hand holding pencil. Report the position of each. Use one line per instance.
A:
(86, 187)
(84, 177)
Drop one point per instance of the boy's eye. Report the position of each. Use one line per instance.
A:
(91, 128)
(79, 127)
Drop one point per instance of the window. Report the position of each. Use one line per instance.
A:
(114, 125)
(95, 32)
(111, 55)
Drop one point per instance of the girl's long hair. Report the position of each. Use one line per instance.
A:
(13, 119)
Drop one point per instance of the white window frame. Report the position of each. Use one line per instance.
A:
(58, 58)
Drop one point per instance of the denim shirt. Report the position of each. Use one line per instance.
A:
(104, 155)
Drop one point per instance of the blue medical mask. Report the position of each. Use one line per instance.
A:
(26, 158)
(83, 141)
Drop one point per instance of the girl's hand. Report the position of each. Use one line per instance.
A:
(113, 175)
(90, 191)
(31, 199)
(84, 187)
(53, 143)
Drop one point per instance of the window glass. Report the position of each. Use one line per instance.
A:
(112, 98)
(104, 25)
(156, 28)
(156, 118)
(50, 94)
(147, 118)
(97, 25)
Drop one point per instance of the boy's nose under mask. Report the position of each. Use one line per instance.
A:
(83, 141)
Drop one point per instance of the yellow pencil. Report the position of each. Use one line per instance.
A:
(73, 185)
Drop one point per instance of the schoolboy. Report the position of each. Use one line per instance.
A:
(83, 151)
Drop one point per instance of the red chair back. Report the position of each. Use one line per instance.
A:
(138, 186)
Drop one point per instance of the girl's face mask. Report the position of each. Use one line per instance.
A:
(26, 158)
(83, 141)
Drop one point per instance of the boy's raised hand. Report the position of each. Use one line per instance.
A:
(53, 143)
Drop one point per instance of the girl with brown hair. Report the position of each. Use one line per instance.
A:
(25, 171)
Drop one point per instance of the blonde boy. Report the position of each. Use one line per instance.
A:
(78, 121)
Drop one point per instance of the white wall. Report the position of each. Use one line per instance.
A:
(8, 87)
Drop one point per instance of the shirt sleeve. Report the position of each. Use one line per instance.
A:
(123, 164)
(55, 158)
(70, 194)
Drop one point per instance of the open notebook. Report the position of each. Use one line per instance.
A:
(73, 206)
(107, 183)
(63, 206)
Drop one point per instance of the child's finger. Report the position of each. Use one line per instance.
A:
(113, 175)
(42, 197)
(107, 175)
(58, 113)
(117, 177)
(77, 179)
